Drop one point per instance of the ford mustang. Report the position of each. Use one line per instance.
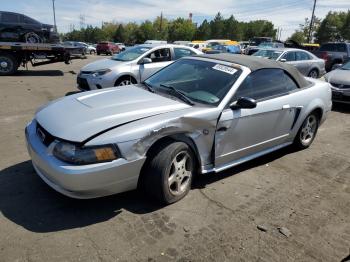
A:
(201, 114)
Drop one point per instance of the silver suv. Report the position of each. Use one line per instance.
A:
(132, 66)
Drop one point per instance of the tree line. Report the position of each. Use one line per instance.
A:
(172, 30)
(334, 27)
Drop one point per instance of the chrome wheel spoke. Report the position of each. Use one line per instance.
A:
(179, 177)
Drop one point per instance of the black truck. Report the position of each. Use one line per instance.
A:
(334, 53)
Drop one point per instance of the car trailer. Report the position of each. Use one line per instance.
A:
(15, 54)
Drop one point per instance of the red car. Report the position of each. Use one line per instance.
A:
(107, 48)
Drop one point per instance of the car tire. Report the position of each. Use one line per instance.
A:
(307, 132)
(125, 81)
(32, 38)
(98, 53)
(8, 64)
(92, 52)
(313, 73)
(168, 175)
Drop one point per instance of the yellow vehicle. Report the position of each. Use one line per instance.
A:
(214, 42)
(198, 44)
(310, 47)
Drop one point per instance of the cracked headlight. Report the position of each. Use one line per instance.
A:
(101, 72)
(73, 154)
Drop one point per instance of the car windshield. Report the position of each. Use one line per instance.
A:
(201, 81)
(266, 44)
(270, 54)
(131, 54)
(346, 66)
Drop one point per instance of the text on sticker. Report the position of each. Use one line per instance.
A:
(226, 69)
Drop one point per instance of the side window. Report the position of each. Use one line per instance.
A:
(341, 48)
(9, 18)
(27, 20)
(328, 47)
(160, 55)
(181, 52)
(265, 83)
(289, 56)
(302, 56)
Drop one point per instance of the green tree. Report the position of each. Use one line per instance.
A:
(331, 27)
(160, 26)
(119, 34)
(145, 32)
(181, 29)
(345, 30)
(131, 33)
(203, 32)
(109, 29)
(232, 29)
(217, 26)
(298, 36)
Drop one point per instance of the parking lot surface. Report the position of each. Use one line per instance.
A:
(286, 206)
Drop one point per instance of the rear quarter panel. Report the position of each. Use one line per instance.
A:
(317, 95)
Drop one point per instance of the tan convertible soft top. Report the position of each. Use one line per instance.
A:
(257, 63)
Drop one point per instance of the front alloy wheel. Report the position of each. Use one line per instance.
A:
(169, 172)
(125, 82)
(180, 173)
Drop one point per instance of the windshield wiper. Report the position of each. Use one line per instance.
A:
(179, 94)
(149, 87)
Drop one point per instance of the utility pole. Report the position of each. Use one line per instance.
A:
(54, 15)
(311, 22)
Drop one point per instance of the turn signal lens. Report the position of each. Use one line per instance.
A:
(105, 154)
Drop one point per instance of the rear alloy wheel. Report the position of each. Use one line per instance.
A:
(307, 131)
(8, 64)
(169, 173)
(32, 38)
(313, 73)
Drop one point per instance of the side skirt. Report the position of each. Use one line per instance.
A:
(244, 159)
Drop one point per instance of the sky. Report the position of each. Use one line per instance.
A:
(285, 14)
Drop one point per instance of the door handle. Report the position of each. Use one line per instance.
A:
(222, 129)
(285, 107)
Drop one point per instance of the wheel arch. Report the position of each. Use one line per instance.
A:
(318, 111)
(166, 140)
(314, 68)
(177, 137)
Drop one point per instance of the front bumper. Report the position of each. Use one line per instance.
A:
(340, 95)
(85, 181)
(87, 82)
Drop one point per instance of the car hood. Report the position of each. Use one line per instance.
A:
(338, 76)
(102, 64)
(78, 117)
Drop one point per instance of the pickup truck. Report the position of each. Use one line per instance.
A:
(333, 53)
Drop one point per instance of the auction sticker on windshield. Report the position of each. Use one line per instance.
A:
(226, 69)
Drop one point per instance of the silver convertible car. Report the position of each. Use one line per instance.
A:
(200, 114)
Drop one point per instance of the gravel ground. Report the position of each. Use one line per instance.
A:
(286, 206)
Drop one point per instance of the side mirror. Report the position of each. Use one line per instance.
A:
(283, 60)
(145, 60)
(243, 102)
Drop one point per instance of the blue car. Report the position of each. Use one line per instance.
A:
(233, 49)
